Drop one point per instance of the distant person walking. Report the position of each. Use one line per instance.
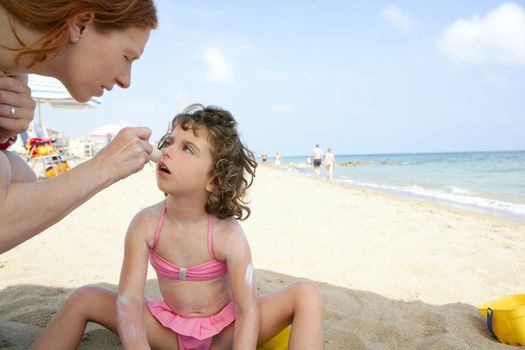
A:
(264, 157)
(317, 156)
(329, 162)
(277, 159)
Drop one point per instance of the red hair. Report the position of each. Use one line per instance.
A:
(51, 17)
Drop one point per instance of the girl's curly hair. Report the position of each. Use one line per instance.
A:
(233, 164)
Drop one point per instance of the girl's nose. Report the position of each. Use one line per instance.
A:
(164, 152)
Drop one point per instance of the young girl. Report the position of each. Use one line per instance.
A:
(201, 256)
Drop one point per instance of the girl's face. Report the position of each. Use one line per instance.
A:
(186, 163)
(100, 60)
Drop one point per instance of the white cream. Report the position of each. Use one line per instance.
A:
(248, 276)
(155, 154)
(128, 329)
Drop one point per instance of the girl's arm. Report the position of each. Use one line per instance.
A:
(244, 292)
(130, 301)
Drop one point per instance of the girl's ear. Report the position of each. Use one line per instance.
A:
(210, 187)
(78, 25)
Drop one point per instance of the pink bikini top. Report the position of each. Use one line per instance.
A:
(202, 272)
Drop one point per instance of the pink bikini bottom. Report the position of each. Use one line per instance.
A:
(193, 333)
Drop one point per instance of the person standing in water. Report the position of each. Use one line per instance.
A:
(329, 162)
(317, 157)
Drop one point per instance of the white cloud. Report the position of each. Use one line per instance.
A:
(397, 17)
(498, 37)
(219, 68)
(181, 99)
(282, 108)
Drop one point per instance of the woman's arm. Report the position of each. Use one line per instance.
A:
(130, 301)
(20, 170)
(28, 208)
(244, 292)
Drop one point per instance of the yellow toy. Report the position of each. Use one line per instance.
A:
(506, 318)
(279, 342)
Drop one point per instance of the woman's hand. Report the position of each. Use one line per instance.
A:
(17, 107)
(127, 153)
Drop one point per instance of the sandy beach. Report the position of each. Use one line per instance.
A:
(396, 273)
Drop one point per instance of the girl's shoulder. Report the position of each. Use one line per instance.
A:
(227, 228)
(228, 235)
(150, 213)
(145, 221)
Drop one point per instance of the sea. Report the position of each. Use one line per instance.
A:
(487, 182)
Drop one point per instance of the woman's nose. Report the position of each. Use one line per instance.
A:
(124, 79)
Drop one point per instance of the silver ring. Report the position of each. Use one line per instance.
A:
(13, 111)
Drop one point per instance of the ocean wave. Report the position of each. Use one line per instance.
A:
(457, 195)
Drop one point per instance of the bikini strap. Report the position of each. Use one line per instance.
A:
(159, 226)
(210, 231)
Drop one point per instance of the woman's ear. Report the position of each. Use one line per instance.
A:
(78, 25)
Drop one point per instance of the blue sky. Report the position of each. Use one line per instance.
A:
(359, 77)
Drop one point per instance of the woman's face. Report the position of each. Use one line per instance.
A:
(100, 60)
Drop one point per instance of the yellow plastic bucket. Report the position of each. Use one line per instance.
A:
(506, 318)
(279, 342)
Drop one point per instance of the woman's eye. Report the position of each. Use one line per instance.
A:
(128, 58)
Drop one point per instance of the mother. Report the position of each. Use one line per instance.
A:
(89, 45)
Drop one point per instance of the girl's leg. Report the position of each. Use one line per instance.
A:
(93, 304)
(67, 328)
(300, 304)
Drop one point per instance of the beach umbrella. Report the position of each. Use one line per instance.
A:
(107, 130)
(50, 90)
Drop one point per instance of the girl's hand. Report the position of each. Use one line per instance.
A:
(17, 107)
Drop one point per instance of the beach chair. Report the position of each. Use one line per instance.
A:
(43, 152)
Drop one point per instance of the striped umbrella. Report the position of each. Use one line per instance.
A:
(50, 90)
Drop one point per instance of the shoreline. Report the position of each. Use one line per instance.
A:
(498, 213)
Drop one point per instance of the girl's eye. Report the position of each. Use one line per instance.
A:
(187, 149)
(127, 58)
(164, 144)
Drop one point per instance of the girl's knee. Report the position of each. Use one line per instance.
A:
(84, 293)
(83, 298)
(308, 294)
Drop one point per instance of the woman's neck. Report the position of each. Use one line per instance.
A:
(8, 40)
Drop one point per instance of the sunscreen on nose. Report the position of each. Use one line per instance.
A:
(155, 154)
